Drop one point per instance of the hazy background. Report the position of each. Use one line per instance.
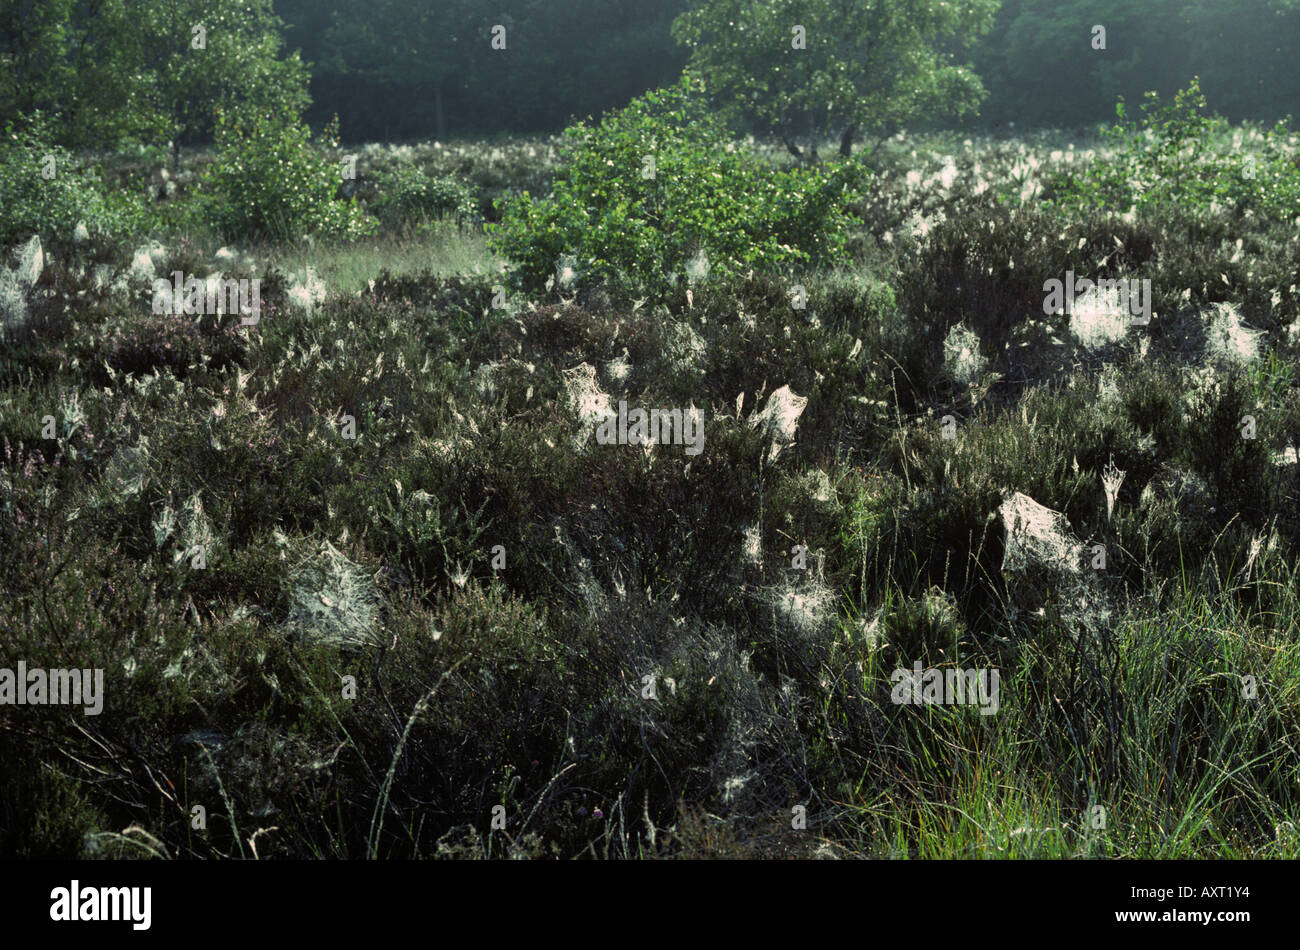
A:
(578, 57)
(407, 69)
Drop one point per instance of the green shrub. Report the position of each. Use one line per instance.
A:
(708, 208)
(52, 207)
(1180, 155)
(411, 193)
(270, 182)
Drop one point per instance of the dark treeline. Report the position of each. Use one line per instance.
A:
(1243, 50)
(124, 70)
(398, 69)
(383, 65)
(579, 57)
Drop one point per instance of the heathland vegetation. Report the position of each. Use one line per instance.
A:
(364, 581)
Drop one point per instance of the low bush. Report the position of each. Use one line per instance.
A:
(647, 200)
(409, 193)
(270, 182)
(47, 191)
(1178, 154)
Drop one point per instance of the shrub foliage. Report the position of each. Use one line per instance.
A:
(655, 192)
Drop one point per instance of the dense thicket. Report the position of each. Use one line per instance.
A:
(155, 71)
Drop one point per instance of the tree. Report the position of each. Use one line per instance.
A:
(1263, 84)
(73, 60)
(151, 70)
(1049, 65)
(1044, 63)
(202, 57)
(819, 67)
(401, 45)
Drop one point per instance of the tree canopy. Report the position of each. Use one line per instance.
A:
(809, 68)
(142, 70)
